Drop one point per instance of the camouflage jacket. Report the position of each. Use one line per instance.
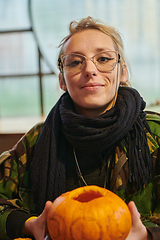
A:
(15, 192)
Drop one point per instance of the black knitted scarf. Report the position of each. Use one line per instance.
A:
(125, 123)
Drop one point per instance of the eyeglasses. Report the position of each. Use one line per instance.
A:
(74, 62)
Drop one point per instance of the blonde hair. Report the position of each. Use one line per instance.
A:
(90, 23)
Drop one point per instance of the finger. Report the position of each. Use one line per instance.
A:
(45, 212)
(46, 209)
(134, 212)
(47, 206)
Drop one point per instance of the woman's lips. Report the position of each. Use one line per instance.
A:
(92, 86)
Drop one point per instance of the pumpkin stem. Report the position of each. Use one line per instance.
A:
(88, 196)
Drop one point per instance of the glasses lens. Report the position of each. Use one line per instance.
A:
(105, 61)
(73, 62)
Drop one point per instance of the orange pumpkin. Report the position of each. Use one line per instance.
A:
(22, 239)
(89, 213)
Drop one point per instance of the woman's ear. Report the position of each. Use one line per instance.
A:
(124, 74)
(62, 82)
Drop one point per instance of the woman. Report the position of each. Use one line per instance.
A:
(97, 133)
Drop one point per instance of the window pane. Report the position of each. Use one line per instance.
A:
(14, 15)
(18, 54)
(19, 97)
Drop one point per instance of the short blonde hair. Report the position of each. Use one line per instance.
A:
(90, 23)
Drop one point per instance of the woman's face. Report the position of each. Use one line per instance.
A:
(93, 92)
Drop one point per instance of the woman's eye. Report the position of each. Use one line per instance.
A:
(74, 63)
(104, 59)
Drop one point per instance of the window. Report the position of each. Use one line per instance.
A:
(31, 30)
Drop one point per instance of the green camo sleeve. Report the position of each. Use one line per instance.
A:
(15, 191)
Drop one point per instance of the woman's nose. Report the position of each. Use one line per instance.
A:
(90, 68)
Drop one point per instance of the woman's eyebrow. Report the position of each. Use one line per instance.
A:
(104, 49)
(97, 50)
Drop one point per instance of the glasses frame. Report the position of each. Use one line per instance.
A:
(61, 66)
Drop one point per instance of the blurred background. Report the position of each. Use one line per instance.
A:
(30, 32)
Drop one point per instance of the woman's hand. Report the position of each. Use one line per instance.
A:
(38, 227)
(138, 230)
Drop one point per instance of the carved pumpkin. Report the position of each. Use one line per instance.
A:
(89, 213)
